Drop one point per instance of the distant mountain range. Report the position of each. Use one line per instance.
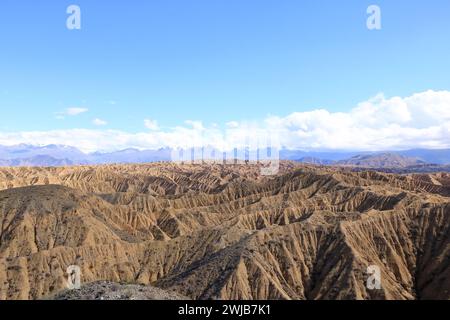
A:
(431, 156)
(60, 155)
(390, 162)
(382, 160)
(378, 160)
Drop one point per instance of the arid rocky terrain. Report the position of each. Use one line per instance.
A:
(225, 231)
(106, 290)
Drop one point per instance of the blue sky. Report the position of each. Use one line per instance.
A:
(213, 61)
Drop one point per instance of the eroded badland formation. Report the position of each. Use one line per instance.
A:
(225, 232)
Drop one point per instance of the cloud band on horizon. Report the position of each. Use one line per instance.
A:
(421, 120)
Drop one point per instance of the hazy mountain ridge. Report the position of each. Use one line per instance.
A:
(58, 155)
(381, 160)
(39, 160)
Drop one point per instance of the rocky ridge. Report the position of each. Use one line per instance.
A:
(225, 232)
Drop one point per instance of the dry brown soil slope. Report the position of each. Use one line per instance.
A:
(225, 232)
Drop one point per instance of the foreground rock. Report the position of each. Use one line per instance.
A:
(105, 290)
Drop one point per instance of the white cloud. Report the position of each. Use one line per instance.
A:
(232, 124)
(71, 112)
(99, 122)
(151, 124)
(418, 121)
(196, 125)
(75, 111)
(421, 120)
